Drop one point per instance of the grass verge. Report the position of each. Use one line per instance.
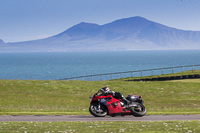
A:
(100, 126)
(36, 97)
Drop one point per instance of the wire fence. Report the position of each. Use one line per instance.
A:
(138, 73)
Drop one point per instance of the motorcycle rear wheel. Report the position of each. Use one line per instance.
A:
(139, 110)
(95, 113)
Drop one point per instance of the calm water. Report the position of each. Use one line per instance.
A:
(46, 66)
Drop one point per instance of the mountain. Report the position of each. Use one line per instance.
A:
(135, 33)
(1, 42)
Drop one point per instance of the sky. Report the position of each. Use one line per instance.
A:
(23, 20)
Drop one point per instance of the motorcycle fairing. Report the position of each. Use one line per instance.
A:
(113, 105)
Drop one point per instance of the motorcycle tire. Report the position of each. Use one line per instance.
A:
(94, 113)
(138, 112)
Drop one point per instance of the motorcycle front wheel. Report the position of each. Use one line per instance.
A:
(96, 111)
(139, 110)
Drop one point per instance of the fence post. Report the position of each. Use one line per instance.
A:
(111, 75)
(121, 75)
(92, 77)
(141, 73)
(192, 68)
(131, 74)
(172, 70)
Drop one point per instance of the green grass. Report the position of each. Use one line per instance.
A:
(36, 97)
(100, 127)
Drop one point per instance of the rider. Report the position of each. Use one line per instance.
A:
(106, 91)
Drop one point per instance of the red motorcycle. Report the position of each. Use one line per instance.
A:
(101, 106)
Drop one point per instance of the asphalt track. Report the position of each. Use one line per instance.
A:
(43, 118)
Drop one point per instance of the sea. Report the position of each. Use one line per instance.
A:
(62, 65)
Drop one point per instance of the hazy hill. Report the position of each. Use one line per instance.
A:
(135, 33)
(1, 42)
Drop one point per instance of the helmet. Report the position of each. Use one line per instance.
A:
(105, 90)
